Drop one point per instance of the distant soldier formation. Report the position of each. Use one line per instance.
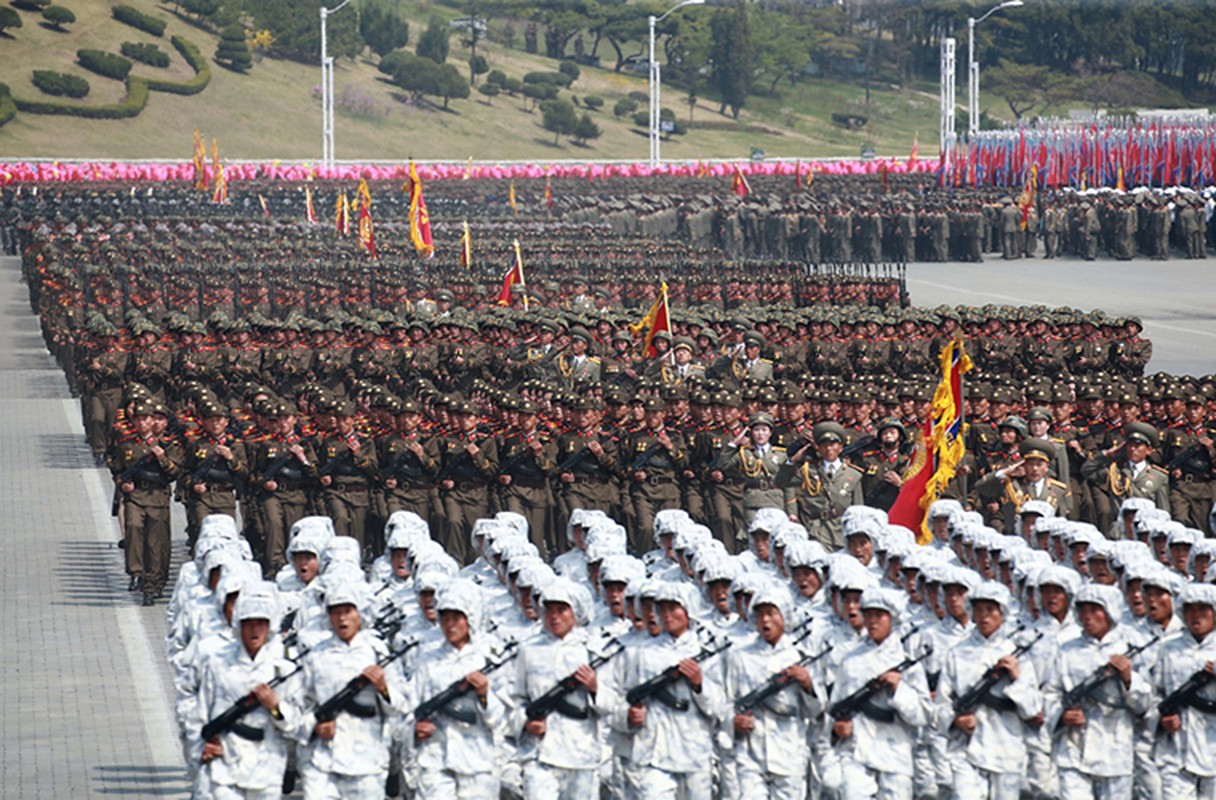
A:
(443, 546)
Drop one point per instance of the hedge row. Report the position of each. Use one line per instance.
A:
(105, 64)
(60, 84)
(138, 19)
(148, 54)
(135, 101)
(194, 57)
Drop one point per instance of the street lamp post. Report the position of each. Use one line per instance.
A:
(654, 80)
(973, 69)
(327, 90)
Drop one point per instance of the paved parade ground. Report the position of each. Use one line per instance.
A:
(86, 694)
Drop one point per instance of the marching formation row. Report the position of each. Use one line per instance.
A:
(1050, 662)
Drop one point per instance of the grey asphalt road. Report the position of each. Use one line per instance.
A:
(1176, 298)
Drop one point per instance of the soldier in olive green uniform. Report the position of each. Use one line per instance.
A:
(822, 486)
(470, 468)
(527, 457)
(724, 486)
(587, 463)
(282, 469)
(144, 465)
(882, 465)
(215, 466)
(753, 455)
(409, 462)
(1028, 479)
(346, 469)
(653, 459)
(1187, 450)
(1132, 475)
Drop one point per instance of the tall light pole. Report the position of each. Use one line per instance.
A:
(327, 91)
(946, 134)
(654, 80)
(973, 69)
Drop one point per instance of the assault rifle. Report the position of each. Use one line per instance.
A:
(1188, 695)
(230, 719)
(344, 699)
(657, 686)
(1074, 696)
(859, 701)
(129, 474)
(978, 694)
(573, 460)
(555, 698)
(333, 464)
(776, 683)
(459, 688)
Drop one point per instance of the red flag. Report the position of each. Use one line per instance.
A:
(310, 213)
(265, 208)
(420, 220)
(940, 447)
(906, 510)
(739, 184)
(548, 194)
(514, 275)
(367, 235)
(798, 176)
(915, 149)
(657, 319)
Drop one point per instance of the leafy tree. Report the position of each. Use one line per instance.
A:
(585, 129)
(232, 51)
(418, 76)
(624, 107)
(450, 84)
(733, 56)
(558, 117)
(201, 8)
(538, 92)
(593, 102)
(434, 42)
(9, 19)
(296, 27)
(496, 76)
(383, 30)
(570, 70)
(58, 16)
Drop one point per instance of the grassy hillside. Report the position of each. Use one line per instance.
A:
(274, 111)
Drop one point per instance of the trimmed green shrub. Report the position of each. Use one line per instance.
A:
(60, 84)
(105, 64)
(232, 51)
(148, 54)
(31, 5)
(558, 79)
(58, 16)
(136, 100)
(496, 76)
(593, 102)
(138, 19)
(194, 57)
(569, 69)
